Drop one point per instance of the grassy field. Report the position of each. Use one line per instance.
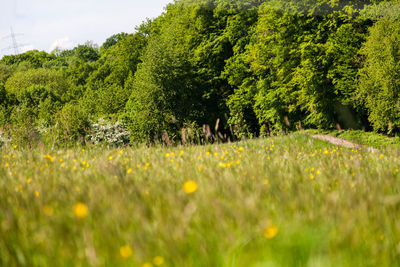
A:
(283, 201)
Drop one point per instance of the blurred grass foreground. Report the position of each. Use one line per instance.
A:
(283, 201)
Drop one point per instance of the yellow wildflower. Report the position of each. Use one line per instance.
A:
(270, 232)
(158, 260)
(125, 251)
(80, 210)
(190, 187)
(48, 210)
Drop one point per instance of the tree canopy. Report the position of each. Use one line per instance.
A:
(255, 67)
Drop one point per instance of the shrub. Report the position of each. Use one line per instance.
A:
(22, 129)
(3, 140)
(103, 132)
(71, 124)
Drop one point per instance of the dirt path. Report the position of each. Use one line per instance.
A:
(342, 142)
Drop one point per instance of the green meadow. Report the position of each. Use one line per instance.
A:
(280, 201)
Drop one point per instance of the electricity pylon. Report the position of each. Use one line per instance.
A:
(15, 46)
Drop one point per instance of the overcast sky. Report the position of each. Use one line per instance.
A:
(45, 24)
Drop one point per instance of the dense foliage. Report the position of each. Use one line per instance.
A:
(248, 67)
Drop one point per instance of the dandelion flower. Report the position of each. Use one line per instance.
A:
(125, 251)
(270, 232)
(48, 210)
(80, 210)
(36, 193)
(190, 187)
(158, 260)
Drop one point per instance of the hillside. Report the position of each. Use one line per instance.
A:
(256, 67)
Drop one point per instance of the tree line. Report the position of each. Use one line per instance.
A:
(256, 67)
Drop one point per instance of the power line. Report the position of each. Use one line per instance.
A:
(15, 46)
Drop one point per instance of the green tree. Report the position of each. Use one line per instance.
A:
(51, 79)
(379, 88)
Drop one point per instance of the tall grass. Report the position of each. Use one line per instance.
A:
(283, 201)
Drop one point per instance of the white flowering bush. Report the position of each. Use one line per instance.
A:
(3, 140)
(103, 132)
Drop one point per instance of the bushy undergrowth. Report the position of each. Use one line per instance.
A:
(103, 132)
(283, 201)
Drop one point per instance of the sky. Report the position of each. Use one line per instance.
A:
(47, 24)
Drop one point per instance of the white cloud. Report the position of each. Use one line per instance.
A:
(63, 43)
